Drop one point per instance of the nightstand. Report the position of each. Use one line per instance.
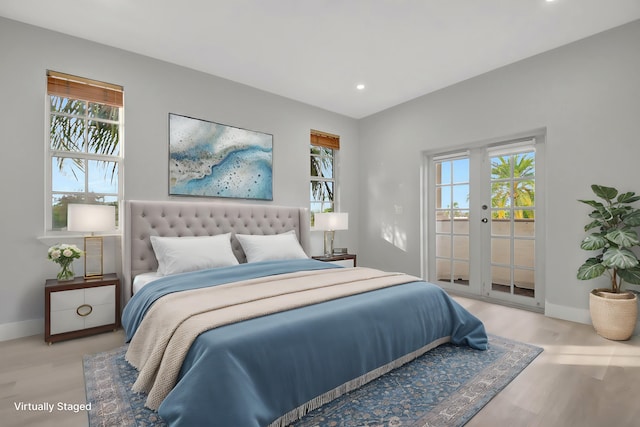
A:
(345, 260)
(81, 307)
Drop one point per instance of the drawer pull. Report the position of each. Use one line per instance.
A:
(84, 310)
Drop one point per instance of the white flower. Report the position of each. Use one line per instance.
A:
(64, 253)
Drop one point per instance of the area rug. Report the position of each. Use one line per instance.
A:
(445, 387)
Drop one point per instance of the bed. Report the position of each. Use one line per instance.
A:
(263, 340)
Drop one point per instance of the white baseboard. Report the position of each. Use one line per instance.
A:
(579, 315)
(25, 328)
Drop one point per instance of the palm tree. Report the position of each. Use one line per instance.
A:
(78, 126)
(509, 188)
(69, 129)
(321, 167)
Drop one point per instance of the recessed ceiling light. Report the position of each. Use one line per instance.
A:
(360, 86)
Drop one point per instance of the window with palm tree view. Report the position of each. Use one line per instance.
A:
(323, 150)
(85, 144)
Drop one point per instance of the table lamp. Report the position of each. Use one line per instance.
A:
(330, 222)
(90, 219)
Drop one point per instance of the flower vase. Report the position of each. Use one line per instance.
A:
(66, 273)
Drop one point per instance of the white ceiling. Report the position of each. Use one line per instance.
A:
(315, 51)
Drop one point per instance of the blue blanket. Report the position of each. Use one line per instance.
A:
(251, 373)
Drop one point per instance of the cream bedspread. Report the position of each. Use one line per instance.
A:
(174, 321)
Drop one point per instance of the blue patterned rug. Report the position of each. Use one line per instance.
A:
(445, 387)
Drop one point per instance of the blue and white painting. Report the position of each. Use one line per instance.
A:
(215, 160)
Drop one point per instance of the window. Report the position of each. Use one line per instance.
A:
(323, 150)
(84, 144)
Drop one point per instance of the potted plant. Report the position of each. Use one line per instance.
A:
(613, 311)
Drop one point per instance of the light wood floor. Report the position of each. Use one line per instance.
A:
(579, 380)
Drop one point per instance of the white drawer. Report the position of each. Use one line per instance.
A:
(65, 306)
(343, 262)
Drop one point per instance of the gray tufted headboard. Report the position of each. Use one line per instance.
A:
(187, 218)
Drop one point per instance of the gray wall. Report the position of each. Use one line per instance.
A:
(586, 94)
(152, 90)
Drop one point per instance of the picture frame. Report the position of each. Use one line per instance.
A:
(209, 159)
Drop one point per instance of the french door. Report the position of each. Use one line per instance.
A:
(484, 222)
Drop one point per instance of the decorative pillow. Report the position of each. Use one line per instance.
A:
(271, 247)
(182, 254)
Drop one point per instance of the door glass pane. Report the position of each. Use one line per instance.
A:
(460, 170)
(500, 195)
(501, 251)
(500, 227)
(461, 196)
(443, 245)
(443, 270)
(523, 280)
(525, 228)
(443, 198)
(443, 222)
(524, 165)
(501, 279)
(524, 253)
(444, 175)
(461, 247)
(461, 224)
(461, 272)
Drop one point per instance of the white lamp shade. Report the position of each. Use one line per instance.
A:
(91, 218)
(331, 221)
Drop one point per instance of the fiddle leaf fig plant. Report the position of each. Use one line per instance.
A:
(612, 232)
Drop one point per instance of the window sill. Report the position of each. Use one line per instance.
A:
(51, 239)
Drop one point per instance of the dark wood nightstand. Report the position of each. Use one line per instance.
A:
(345, 260)
(81, 307)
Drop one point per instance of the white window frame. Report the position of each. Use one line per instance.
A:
(51, 153)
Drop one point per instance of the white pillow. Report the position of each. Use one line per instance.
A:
(271, 247)
(182, 254)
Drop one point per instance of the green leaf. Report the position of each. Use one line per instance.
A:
(593, 224)
(623, 237)
(632, 219)
(628, 197)
(596, 215)
(630, 275)
(593, 242)
(607, 193)
(592, 203)
(619, 258)
(591, 269)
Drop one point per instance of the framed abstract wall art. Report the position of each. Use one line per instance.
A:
(210, 159)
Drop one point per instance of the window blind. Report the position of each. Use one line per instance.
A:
(324, 139)
(74, 87)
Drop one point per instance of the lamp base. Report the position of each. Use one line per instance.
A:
(328, 242)
(93, 247)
